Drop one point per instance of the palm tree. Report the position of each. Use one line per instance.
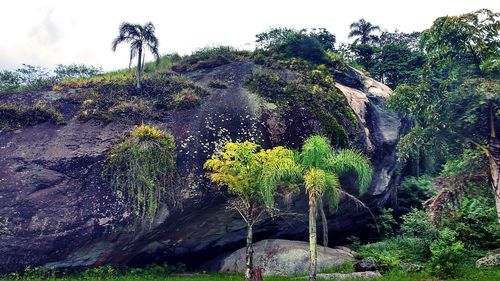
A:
(140, 38)
(252, 175)
(363, 31)
(321, 168)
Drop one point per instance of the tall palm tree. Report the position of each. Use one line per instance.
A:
(321, 168)
(140, 38)
(363, 30)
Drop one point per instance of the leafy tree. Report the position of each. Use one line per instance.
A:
(252, 175)
(140, 38)
(76, 71)
(469, 37)
(9, 80)
(275, 38)
(397, 64)
(321, 168)
(366, 55)
(412, 40)
(363, 30)
(307, 44)
(457, 102)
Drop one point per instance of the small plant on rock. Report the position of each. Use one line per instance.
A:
(142, 167)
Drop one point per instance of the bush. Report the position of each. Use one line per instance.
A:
(142, 168)
(476, 223)
(386, 223)
(14, 116)
(413, 191)
(447, 253)
(209, 57)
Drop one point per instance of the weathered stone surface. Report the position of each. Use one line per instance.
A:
(350, 276)
(281, 257)
(489, 260)
(411, 267)
(366, 264)
(55, 210)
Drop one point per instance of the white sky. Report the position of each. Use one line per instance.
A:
(50, 32)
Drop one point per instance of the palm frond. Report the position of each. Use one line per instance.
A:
(316, 150)
(352, 161)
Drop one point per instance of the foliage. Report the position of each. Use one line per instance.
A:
(275, 38)
(398, 64)
(142, 168)
(472, 37)
(14, 115)
(417, 225)
(412, 192)
(475, 222)
(309, 45)
(386, 222)
(9, 81)
(209, 57)
(76, 71)
(365, 55)
(315, 90)
(120, 100)
(251, 173)
(447, 253)
(321, 168)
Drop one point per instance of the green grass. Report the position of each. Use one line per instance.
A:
(472, 274)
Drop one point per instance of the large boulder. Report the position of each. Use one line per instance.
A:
(57, 211)
(281, 257)
(489, 260)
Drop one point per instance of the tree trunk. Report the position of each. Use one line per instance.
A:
(494, 159)
(249, 252)
(312, 238)
(139, 66)
(324, 222)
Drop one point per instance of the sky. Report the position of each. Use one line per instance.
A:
(52, 32)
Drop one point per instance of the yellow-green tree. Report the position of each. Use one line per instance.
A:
(321, 167)
(251, 174)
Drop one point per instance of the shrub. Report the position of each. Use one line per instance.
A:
(135, 110)
(313, 89)
(413, 191)
(209, 57)
(185, 99)
(9, 80)
(13, 115)
(142, 168)
(476, 223)
(386, 223)
(447, 253)
(416, 224)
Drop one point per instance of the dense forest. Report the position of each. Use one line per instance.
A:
(440, 214)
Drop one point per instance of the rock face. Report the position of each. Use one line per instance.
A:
(490, 260)
(281, 257)
(56, 211)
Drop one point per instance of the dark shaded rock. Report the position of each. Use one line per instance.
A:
(366, 264)
(57, 211)
(281, 257)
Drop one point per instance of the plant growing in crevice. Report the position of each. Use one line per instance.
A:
(142, 167)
